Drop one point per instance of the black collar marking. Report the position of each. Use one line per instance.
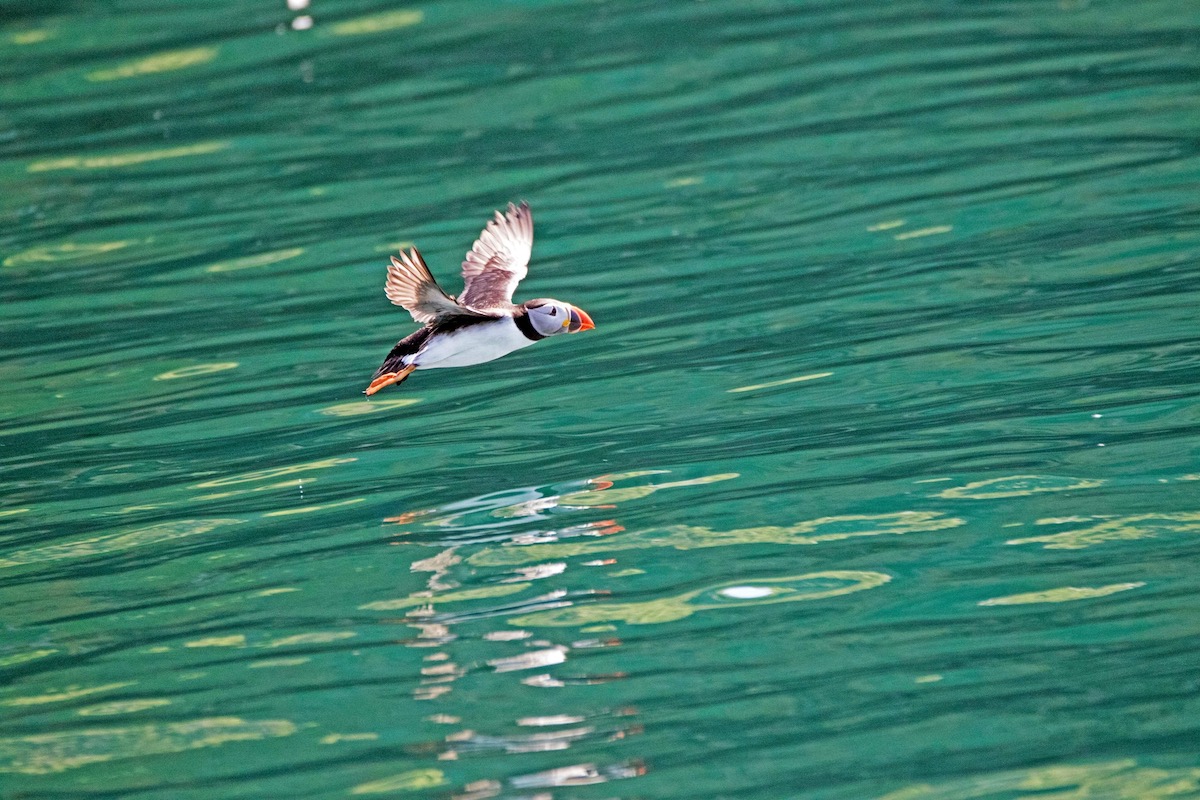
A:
(525, 326)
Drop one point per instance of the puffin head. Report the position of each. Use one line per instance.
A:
(552, 317)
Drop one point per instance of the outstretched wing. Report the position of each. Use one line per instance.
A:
(409, 284)
(499, 259)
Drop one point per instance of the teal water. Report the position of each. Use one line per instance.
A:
(877, 479)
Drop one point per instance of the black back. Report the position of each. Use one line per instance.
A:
(417, 339)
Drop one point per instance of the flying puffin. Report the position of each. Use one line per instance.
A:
(482, 324)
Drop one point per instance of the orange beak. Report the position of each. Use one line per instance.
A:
(580, 321)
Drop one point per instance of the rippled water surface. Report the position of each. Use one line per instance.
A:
(878, 478)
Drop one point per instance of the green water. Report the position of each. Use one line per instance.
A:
(879, 476)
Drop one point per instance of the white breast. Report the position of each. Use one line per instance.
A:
(475, 344)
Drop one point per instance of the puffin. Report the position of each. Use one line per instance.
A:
(482, 324)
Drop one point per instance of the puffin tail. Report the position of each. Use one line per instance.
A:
(383, 379)
(393, 368)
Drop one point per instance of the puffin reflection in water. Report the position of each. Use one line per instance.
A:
(482, 324)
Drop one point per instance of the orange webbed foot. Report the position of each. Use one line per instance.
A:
(387, 379)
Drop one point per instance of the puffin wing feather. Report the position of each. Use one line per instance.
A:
(411, 286)
(499, 259)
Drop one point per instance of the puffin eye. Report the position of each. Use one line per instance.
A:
(553, 311)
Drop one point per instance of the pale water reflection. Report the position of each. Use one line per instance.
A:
(688, 537)
(1116, 780)
(1139, 526)
(54, 752)
(799, 588)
